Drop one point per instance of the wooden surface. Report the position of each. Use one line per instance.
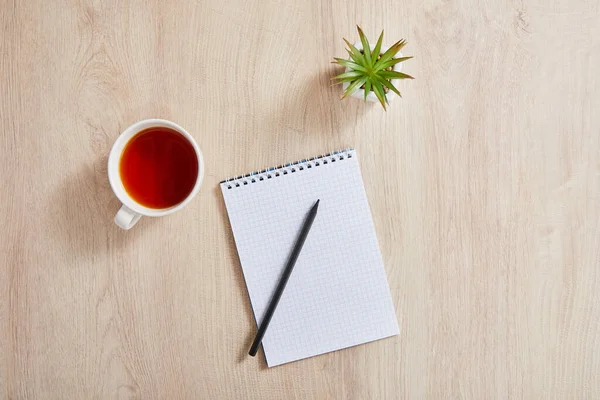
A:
(484, 182)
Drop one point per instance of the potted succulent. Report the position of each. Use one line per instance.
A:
(374, 74)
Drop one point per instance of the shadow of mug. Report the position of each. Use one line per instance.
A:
(84, 207)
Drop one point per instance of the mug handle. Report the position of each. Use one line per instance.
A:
(126, 218)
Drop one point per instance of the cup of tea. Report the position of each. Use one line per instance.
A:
(155, 168)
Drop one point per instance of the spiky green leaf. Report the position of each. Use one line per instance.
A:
(354, 86)
(381, 66)
(367, 88)
(392, 51)
(349, 64)
(388, 84)
(349, 74)
(356, 55)
(377, 49)
(359, 60)
(342, 80)
(380, 93)
(365, 45)
(394, 75)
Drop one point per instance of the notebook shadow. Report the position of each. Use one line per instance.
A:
(245, 357)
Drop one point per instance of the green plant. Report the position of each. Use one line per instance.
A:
(371, 70)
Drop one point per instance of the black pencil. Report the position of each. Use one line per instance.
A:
(284, 279)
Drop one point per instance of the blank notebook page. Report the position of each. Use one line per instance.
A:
(337, 295)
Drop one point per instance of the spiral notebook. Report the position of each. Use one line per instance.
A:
(337, 295)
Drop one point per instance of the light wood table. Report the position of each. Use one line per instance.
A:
(484, 183)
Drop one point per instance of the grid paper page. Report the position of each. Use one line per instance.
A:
(337, 295)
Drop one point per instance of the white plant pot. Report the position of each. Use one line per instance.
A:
(360, 93)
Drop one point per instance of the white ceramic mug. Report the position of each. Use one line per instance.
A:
(131, 211)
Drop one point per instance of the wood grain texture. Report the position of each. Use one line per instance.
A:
(484, 183)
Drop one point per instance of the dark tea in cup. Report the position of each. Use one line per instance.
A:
(158, 167)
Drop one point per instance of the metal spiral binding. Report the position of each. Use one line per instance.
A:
(285, 169)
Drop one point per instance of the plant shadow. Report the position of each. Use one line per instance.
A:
(314, 107)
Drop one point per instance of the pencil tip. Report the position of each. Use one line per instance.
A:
(315, 206)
